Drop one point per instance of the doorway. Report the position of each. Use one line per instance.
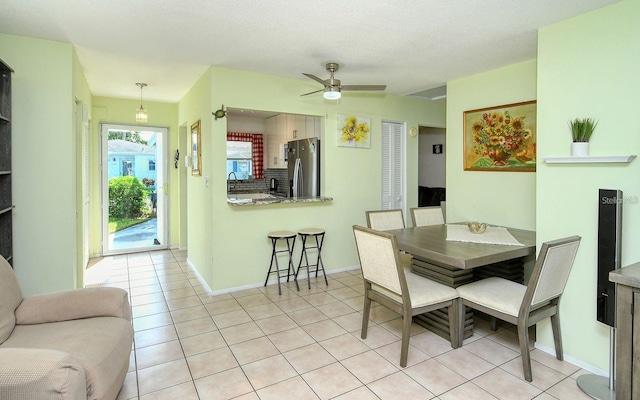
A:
(134, 185)
(431, 167)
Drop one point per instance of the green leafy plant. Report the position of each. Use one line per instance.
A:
(126, 197)
(582, 129)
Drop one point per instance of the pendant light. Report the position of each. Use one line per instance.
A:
(141, 113)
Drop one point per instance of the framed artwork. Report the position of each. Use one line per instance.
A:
(501, 138)
(354, 131)
(196, 150)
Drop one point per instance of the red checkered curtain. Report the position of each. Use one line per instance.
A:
(257, 149)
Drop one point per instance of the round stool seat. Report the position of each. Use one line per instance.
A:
(311, 231)
(281, 234)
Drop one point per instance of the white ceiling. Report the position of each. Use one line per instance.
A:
(409, 45)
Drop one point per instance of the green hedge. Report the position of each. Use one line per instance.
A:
(126, 197)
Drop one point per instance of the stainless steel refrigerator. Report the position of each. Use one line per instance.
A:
(303, 163)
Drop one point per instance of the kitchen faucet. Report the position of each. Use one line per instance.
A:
(235, 178)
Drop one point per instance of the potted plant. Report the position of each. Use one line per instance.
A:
(581, 131)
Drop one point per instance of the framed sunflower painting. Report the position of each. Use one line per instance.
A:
(501, 138)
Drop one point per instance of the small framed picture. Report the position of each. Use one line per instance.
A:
(437, 149)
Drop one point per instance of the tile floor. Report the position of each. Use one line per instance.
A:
(256, 344)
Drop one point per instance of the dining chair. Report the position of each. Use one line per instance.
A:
(425, 216)
(386, 282)
(385, 220)
(522, 305)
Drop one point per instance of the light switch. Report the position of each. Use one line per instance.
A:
(206, 181)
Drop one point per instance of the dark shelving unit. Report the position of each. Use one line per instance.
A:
(6, 204)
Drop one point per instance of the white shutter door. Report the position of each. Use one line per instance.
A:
(393, 166)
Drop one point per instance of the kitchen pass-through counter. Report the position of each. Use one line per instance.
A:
(261, 198)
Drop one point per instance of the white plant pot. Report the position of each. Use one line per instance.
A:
(579, 149)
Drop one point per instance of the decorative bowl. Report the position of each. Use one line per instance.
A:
(477, 227)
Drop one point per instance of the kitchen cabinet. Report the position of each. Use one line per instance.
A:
(627, 358)
(6, 202)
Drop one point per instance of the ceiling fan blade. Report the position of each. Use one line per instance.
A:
(315, 78)
(363, 87)
(315, 91)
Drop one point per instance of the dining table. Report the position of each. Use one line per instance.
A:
(449, 255)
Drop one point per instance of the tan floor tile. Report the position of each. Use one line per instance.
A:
(361, 366)
(380, 314)
(465, 363)
(149, 309)
(309, 357)
(146, 299)
(291, 339)
(468, 391)
(202, 343)
(263, 311)
(241, 333)
(129, 388)
(231, 318)
(343, 293)
(361, 393)
(163, 376)
(344, 346)
(153, 336)
(330, 381)
(378, 337)
(350, 280)
(224, 385)
(253, 350)
(179, 293)
(320, 299)
(491, 351)
(175, 285)
(139, 291)
(395, 326)
(184, 302)
(183, 391)
(158, 354)
(333, 310)
(503, 385)
(357, 303)
(543, 376)
(211, 362)
(293, 304)
(350, 322)
(431, 343)
(294, 388)
(399, 386)
(276, 324)
(324, 330)
(307, 316)
(391, 353)
(551, 361)
(223, 306)
(434, 376)
(195, 327)
(269, 371)
(137, 283)
(253, 300)
(152, 321)
(188, 314)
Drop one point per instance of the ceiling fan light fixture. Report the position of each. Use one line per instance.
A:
(141, 113)
(332, 93)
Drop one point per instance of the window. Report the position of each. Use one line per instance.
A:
(152, 165)
(239, 159)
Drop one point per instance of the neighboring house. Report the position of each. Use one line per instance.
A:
(131, 159)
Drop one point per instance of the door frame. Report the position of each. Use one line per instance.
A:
(162, 170)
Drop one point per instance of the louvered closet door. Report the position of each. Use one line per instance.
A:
(393, 166)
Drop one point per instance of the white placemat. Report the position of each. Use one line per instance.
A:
(493, 235)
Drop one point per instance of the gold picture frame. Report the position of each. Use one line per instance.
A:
(196, 150)
(501, 138)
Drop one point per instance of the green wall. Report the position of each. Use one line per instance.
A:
(229, 245)
(122, 111)
(501, 198)
(45, 87)
(588, 67)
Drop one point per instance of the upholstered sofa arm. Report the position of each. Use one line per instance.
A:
(40, 374)
(74, 304)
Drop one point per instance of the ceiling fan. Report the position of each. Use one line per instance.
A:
(332, 87)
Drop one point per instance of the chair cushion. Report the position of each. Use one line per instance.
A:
(498, 294)
(424, 291)
(10, 299)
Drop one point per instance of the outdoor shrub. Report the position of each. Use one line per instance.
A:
(126, 197)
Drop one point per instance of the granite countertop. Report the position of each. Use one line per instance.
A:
(261, 198)
(628, 276)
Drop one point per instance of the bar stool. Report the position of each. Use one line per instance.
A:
(287, 236)
(318, 235)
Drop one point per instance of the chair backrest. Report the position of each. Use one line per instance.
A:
(378, 253)
(551, 270)
(425, 216)
(384, 220)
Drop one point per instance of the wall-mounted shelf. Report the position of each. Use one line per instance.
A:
(589, 159)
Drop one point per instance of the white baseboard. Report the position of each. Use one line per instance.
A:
(574, 361)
